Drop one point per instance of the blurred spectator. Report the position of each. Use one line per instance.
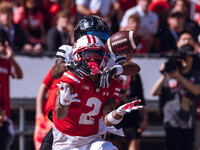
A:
(16, 36)
(45, 6)
(148, 24)
(197, 54)
(183, 6)
(197, 117)
(43, 106)
(169, 34)
(62, 5)
(6, 130)
(62, 33)
(31, 19)
(102, 8)
(161, 8)
(179, 89)
(133, 24)
(126, 4)
(197, 128)
(8, 67)
(186, 37)
(134, 123)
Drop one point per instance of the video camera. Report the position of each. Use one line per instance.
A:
(174, 61)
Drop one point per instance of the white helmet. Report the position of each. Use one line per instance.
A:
(90, 48)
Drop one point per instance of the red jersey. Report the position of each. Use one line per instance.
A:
(83, 117)
(52, 91)
(5, 72)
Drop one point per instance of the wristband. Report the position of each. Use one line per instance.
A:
(119, 69)
(113, 120)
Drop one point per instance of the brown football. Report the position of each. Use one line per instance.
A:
(122, 42)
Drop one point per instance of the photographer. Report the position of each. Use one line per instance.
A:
(179, 89)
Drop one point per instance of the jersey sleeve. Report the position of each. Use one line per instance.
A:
(64, 52)
(119, 59)
(48, 79)
(70, 78)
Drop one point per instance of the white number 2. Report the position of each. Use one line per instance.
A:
(86, 118)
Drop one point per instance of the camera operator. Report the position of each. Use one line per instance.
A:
(179, 90)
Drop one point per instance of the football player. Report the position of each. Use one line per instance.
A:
(92, 25)
(80, 104)
(89, 25)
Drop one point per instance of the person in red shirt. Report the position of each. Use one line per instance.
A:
(43, 106)
(81, 104)
(31, 19)
(8, 67)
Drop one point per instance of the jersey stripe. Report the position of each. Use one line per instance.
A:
(120, 58)
(59, 54)
(62, 51)
(117, 94)
(117, 89)
(71, 77)
(60, 57)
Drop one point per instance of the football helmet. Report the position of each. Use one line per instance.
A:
(92, 25)
(91, 51)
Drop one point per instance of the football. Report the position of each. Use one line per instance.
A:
(122, 42)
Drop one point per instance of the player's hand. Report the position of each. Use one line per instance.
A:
(104, 80)
(128, 107)
(66, 98)
(78, 68)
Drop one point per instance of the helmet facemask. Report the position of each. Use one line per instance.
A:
(91, 53)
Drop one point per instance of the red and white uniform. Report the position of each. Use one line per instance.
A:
(52, 92)
(83, 117)
(42, 123)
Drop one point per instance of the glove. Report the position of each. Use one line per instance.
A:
(65, 97)
(78, 68)
(128, 107)
(104, 80)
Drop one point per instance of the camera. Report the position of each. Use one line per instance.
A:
(172, 64)
(174, 61)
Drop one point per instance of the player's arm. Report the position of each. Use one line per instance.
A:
(122, 68)
(59, 68)
(114, 117)
(40, 99)
(64, 99)
(130, 68)
(109, 106)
